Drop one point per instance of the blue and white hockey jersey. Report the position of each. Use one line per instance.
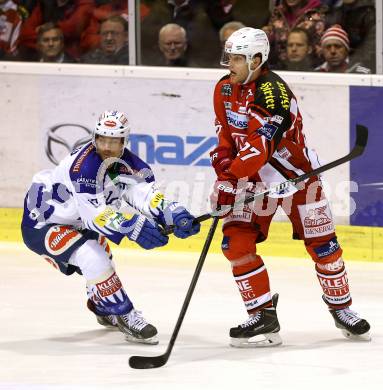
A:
(87, 193)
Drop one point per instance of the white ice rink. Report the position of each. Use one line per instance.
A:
(49, 340)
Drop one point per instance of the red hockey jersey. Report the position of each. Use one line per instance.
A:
(261, 124)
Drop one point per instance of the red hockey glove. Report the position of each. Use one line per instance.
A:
(223, 197)
(220, 159)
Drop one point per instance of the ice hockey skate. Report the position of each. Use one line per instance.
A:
(352, 326)
(107, 321)
(259, 330)
(136, 329)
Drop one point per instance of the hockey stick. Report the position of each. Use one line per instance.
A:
(141, 362)
(357, 150)
(159, 361)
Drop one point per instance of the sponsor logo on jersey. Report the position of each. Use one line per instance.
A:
(283, 95)
(326, 250)
(277, 118)
(110, 218)
(225, 243)
(227, 105)
(268, 131)
(109, 286)
(316, 219)
(284, 153)
(239, 121)
(156, 200)
(226, 90)
(87, 182)
(242, 110)
(58, 239)
(80, 159)
(239, 140)
(268, 93)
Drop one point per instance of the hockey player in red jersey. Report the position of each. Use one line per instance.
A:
(261, 142)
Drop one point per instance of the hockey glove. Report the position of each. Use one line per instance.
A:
(220, 159)
(177, 215)
(145, 232)
(224, 194)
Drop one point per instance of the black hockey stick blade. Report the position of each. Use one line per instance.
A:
(144, 362)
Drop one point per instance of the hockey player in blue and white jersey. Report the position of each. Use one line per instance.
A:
(71, 210)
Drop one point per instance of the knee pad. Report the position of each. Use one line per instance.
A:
(238, 242)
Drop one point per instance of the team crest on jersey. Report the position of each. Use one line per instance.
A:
(60, 238)
(316, 219)
(226, 90)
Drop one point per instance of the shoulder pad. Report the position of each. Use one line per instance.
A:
(273, 94)
(133, 165)
(84, 169)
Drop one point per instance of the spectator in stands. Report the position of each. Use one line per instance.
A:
(105, 8)
(335, 47)
(50, 44)
(203, 41)
(220, 12)
(113, 45)
(172, 41)
(309, 14)
(10, 23)
(72, 16)
(227, 29)
(357, 18)
(299, 51)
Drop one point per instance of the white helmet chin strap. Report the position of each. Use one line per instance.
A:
(251, 72)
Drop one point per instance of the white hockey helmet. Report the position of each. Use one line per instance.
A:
(247, 41)
(112, 124)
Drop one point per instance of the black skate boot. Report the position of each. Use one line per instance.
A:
(106, 321)
(260, 330)
(136, 328)
(352, 326)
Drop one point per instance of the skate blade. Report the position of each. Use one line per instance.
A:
(356, 337)
(259, 341)
(152, 340)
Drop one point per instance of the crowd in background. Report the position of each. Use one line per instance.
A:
(305, 35)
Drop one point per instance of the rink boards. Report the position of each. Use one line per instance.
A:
(171, 115)
(362, 243)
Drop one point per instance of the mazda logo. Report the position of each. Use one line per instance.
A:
(64, 138)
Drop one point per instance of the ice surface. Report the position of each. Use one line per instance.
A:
(49, 340)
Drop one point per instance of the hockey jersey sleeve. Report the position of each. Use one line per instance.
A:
(222, 130)
(268, 111)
